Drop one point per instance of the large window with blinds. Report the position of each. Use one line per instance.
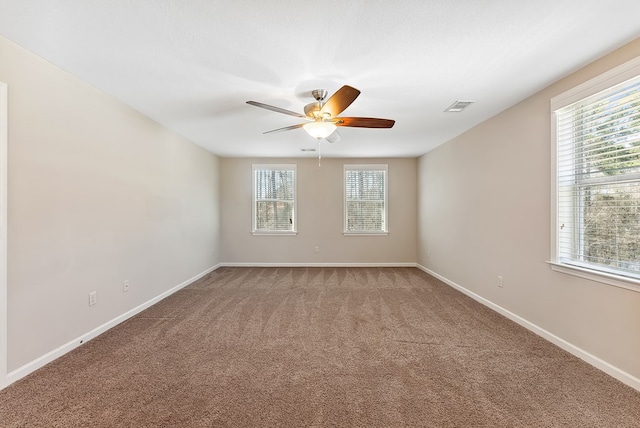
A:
(365, 199)
(597, 183)
(274, 199)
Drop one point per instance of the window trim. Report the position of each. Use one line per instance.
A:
(371, 167)
(274, 167)
(597, 84)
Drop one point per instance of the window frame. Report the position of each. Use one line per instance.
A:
(607, 80)
(254, 200)
(368, 167)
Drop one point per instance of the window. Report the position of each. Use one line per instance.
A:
(365, 199)
(274, 199)
(597, 183)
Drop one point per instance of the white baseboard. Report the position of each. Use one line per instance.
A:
(260, 264)
(67, 347)
(598, 363)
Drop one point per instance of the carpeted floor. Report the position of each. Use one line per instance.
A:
(318, 347)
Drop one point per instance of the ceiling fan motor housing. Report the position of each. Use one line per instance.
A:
(319, 94)
(311, 110)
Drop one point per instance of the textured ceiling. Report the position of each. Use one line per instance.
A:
(192, 64)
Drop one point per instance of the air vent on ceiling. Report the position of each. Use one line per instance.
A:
(458, 106)
(308, 150)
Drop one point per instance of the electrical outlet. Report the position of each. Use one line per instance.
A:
(125, 285)
(93, 298)
(317, 249)
(500, 282)
(428, 254)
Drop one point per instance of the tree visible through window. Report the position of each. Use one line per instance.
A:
(274, 191)
(598, 181)
(365, 198)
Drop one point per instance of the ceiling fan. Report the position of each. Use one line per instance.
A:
(322, 116)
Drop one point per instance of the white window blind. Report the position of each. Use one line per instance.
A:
(598, 181)
(274, 198)
(365, 198)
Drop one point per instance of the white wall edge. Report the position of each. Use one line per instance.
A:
(4, 332)
(596, 362)
(310, 264)
(57, 353)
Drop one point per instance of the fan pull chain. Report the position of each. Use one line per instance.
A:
(319, 155)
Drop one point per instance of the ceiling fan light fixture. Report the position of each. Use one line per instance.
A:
(319, 129)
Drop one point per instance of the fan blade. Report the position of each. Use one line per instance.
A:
(276, 109)
(334, 137)
(363, 122)
(286, 128)
(340, 100)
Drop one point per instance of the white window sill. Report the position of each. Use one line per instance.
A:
(265, 233)
(365, 233)
(594, 275)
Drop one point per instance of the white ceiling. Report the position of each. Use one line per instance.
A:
(191, 64)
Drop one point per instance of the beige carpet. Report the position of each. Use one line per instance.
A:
(316, 347)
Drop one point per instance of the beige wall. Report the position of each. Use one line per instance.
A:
(98, 194)
(319, 216)
(484, 201)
